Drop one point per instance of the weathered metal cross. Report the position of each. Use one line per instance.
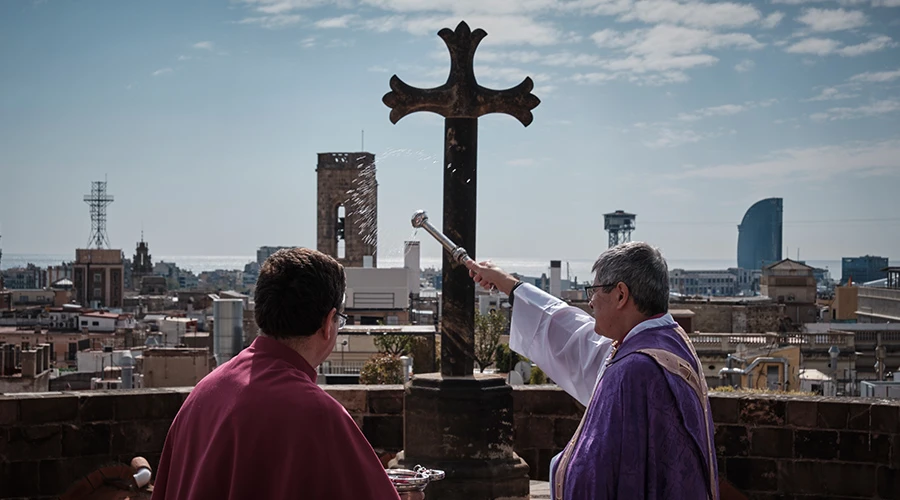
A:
(460, 101)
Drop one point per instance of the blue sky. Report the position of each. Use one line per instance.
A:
(206, 117)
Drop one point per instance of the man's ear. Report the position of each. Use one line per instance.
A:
(622, 294)
(328, 324)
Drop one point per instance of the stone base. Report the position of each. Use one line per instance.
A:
(463, 426)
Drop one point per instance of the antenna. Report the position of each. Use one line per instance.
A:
(98, 200)
(362, 141)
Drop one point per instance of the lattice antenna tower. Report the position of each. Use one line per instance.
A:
(98, 200)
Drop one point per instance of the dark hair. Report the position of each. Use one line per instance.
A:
(643, 270)
(296, 290)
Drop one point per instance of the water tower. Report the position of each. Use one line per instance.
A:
(620, 225)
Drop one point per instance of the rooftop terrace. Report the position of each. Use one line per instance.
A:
(768, 446)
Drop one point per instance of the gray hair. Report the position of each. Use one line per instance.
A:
(642, 268)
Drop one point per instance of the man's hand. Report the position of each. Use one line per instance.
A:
(490, 276)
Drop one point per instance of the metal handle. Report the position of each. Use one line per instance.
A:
(458, 253)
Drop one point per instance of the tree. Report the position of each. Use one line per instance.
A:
(488, 329)
(395, 345)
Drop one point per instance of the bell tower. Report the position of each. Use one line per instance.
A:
(347, 208)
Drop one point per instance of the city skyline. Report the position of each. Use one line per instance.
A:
(207, 120)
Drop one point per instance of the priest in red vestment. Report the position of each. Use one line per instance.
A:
(258, 426)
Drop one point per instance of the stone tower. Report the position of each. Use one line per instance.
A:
(141, 265)
(347, 213)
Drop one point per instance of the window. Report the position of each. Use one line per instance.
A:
(98, 277)
(98, 293)
(83, 322)
(96, 323)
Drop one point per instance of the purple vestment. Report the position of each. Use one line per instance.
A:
(645, 434)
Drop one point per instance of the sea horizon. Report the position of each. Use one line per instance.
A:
(528, 266)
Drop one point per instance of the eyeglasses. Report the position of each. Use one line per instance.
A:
(342, 320)
(589, 290)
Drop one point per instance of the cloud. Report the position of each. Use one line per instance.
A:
(724, 110)
(876, 108)
(663, 53)
(876, 77)
(336, 22)
(696, 14)
(831, 94)
(670, 138)
(829, 46)
(308, 42)
(772, 20)
(826, 20)
(161, 71)
(182, 57)
(207, 45)
(819, 163)
(273, 22)
(744, 66)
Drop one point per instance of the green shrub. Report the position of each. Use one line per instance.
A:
(537, 376)
(382, 369)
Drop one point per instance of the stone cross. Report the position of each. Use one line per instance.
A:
(461, 100)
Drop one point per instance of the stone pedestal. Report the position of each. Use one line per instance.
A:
(463, 426)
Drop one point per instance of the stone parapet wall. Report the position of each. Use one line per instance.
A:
(768, 446)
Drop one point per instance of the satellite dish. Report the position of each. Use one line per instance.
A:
(523, 368)
(515, 378)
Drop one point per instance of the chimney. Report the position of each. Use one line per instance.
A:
(555, 276)
(411, 263)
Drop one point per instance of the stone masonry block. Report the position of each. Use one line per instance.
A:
(96, 406)
(821, 445)
(725, 410)
(353, 400)
(384, 432)
(732, 441)
(9, 411)
(762, 411)
(865, 447)
(802, 414)
(535, 432)
(139, 436)
(895, 451)
(48, 408)
(772, 442)
(833, 414)
(36, 442)
(385, 402)
(888, 482)
(563, 430)
(859, 417)
(827, 479)
(85, 439)
(545, 401)
(21, 479)
(147, 405)
(756, 474)
(886, 418)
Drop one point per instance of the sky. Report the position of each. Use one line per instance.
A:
(205, 117)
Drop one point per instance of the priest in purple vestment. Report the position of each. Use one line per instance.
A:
(647, 432)
(258, 426)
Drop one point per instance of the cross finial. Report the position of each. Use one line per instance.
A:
(461, 96)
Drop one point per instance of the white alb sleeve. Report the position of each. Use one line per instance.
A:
(559, 338)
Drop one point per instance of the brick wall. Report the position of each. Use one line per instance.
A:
(768, 446)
